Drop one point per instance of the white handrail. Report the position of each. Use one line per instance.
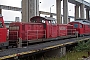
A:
(37, 33)
(72, 32)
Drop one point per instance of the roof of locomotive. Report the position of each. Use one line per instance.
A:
(82, 21)
(24, 23)
(46, 18)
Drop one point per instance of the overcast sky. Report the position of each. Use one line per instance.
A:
(44, 6)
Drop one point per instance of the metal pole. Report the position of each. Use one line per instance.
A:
(50, 11)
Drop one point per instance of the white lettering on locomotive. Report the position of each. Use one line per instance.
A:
(62, 28)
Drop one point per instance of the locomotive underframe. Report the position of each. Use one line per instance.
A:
(4, 44)
(21, 43)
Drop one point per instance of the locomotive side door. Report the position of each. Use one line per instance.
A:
(81, 29)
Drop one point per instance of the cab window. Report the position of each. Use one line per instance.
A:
(43, 21)
(75, 25)
(1, 26)
(49, 21)
(53, 22)
(88, 26)
(80, 26)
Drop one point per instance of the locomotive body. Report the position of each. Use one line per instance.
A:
(3, 33)
(65, 30)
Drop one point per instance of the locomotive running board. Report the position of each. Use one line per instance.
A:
(36, 41)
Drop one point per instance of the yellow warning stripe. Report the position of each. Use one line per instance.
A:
(68, 43)
(23, 53)
(14, 55)
(84, 39)
(6, 57)
(52, 47)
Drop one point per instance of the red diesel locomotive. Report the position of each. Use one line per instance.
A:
(39, 29)
(82, 26)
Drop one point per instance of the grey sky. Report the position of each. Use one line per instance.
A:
(44, 6)
(8, 14)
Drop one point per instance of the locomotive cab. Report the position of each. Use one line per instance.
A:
(38, 19)
(49, 24)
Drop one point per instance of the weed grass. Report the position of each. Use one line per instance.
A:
(70, 56)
